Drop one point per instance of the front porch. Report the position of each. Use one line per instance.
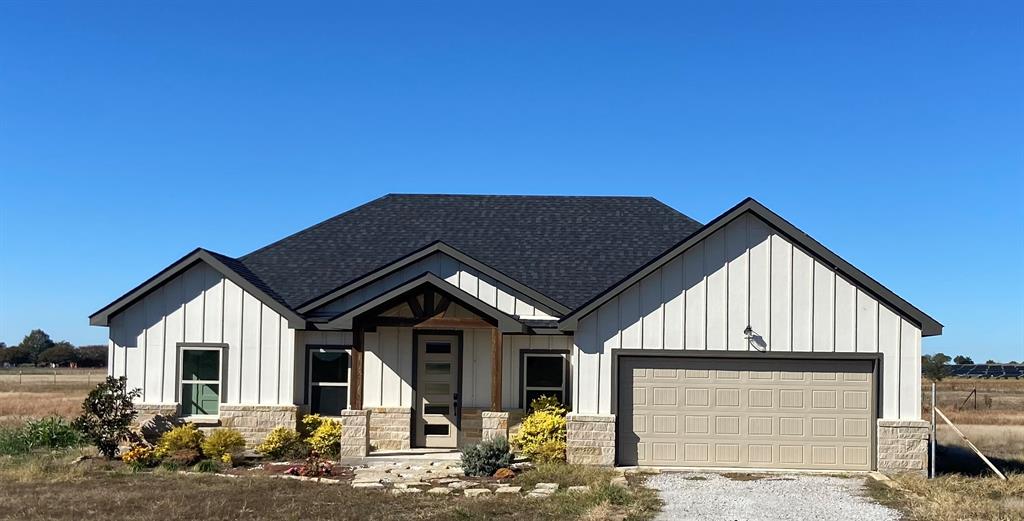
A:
(427, 370)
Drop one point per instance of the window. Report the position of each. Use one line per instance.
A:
(200, 381)
(544, 375)
(328, 381)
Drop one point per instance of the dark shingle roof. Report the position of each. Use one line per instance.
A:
(567, 248)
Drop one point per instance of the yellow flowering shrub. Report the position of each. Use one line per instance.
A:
(282, 442)
(223, 444)
(541, 436)
(324, 437)
(187, 437)
(140, 455)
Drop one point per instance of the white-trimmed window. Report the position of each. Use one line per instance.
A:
(543, 375)
(328, 381)
(200, 380)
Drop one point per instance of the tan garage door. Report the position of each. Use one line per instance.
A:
(718, 412)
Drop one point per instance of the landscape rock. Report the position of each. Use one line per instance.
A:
(579, 489)
(368, 486)
(504, 473)
(508, 490)
(443, 491)
(477, 492)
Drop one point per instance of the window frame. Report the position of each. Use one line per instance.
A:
(310, 351)
(524, 354)
(220, 382)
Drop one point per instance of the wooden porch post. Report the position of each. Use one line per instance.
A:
(357, 369)
(495, 370)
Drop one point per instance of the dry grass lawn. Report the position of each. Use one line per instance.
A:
(956, 498)
(41, 487)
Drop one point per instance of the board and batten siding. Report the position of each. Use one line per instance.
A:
(202, 306)
(746, 273)
(466, 278)
(387, 365)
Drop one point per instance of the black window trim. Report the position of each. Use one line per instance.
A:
(566, 378)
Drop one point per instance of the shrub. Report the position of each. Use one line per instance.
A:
(541, 437)
(52, 432)
(314, 467)
(282, 442)
(107, 415)
(324, 435)
(182, 458)
(206, 465)
(184, 438)
(486, 457)
(139, 456)
(223, 445)
(12, 441)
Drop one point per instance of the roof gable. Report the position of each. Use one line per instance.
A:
(226, 266)
(928, 325)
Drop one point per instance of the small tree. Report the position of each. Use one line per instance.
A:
(934, 366)
(107, 414)
(961, 359)
(990, 361)
(15, 356)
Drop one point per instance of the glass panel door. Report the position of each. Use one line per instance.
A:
(437, 391)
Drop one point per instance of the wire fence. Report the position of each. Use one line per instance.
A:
(35, 377)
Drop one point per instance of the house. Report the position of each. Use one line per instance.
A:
(433, 320)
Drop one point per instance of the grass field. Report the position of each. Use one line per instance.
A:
(36, 393)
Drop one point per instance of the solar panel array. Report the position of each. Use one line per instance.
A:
(987, 371)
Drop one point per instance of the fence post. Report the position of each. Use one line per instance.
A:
(54, 376)
(20, 372)
(933, 431)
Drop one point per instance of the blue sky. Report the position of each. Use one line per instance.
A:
(132, 132)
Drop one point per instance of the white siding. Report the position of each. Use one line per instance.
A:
(201, 306)
(451, 270)
(747, 274)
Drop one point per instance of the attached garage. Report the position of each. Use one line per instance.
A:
(746, 412)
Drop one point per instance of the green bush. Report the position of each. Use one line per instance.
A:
(283, 442)
(107, 415)
(52, 432)
(324, 435)
(206, 465)
(184, 438)
(541, 437)
(223, 445)
(12, 441)
(486, 457)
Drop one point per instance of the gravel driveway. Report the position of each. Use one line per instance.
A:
(734, 497)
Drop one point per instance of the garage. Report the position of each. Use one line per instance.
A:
(748, 413)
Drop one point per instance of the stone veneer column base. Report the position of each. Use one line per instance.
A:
(471, 427)
(256, 421)
(355, 433)
(590, 439)
(493, 424)
(390, 428)
(903, 446)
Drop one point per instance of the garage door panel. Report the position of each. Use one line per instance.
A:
(746, 413)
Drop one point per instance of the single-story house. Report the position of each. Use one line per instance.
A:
(434, 320)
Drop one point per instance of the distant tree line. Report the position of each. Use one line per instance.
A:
(936, 367)
(37, 348)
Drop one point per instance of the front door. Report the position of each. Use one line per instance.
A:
(437, 388)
